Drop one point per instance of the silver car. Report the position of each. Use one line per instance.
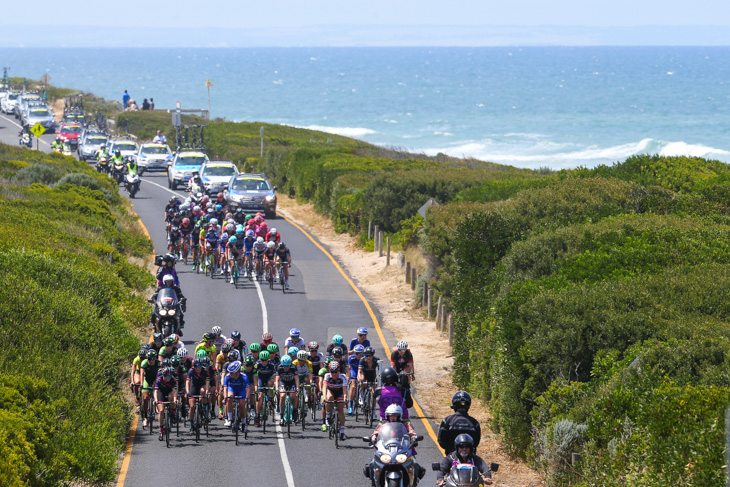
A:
(40, 115)
(182, 166)
(216, 174)
(126, 147)
(153, 157)
(8, 101)
(90, 143)
(252, 192)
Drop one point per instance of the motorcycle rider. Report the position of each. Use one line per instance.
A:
(459, 423)
(57, 145)
(196, 182)
(169, 283)
(167, 268)
(24, 130)
(389, 393)
(132, 165)
(463, 452)
(393, 414)
(117, 157)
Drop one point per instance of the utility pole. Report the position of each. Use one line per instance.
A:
(208, 84)
(262, 142)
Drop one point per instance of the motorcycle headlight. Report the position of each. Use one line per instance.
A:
(401, 458)
(171, 312)
(163, 312)
(270, 198)
(385, 458)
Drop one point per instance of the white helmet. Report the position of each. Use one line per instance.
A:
(402, 345)
(394, 409)
(196, 208)
(270, 245)
(168, 278)
(273, 230)
(260, 240)
(182, 352)
(214, 221)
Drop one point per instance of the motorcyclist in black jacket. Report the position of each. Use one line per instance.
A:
(169, 282)
(459, 423)
(463, 452)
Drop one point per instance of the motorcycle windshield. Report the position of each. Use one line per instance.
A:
(393, 436)
(464, 474)
(167, 298)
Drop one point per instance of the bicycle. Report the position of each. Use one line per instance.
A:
(196, 259)
(304, 405)
(287, 412)
(206, 264)
(249, 266)
(236, 272)
(166, 419)
(185, 249)
(151, 412)
(236, 424)
(334, 422)
(270, 273)
(267, 407)
(181, 407)
(280, 273)
(313, 401)
(368, 405)
(197, 417)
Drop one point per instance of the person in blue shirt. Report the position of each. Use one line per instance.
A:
(212, 238)
(235, 384)
(361, 339)
(353, 365)
(125, 100)
(248, 249)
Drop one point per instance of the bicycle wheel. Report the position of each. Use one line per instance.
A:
(336, 426)
(367, 410)
(302, 410)
(166, 428)
(264, 412)
(356, 402)
(178, 408)
(271, 278)
(236, 420)
(249, 269)
(151, 411)
(288, 415)
(197, 419)
(312, 404)
(281, 279)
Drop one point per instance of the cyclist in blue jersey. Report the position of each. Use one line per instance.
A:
(235, 385)
(212, 238)
(353, 364)
(248, 243)
(222, 251)
(360, 339)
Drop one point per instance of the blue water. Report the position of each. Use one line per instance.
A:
(530, 107)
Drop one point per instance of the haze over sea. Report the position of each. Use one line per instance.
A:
(529, 107)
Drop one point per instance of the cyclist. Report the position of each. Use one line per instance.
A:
(234, 253)
(287, 380)
(459, 423)
(401, 359)
(353, 364)
(269, 257)
(220, 199)
(197, 384)
(294, 340)
(334, 390)
(222, 260)
(196, 182)
(317, 360)
(149, 368)
(248, 242)
(390, 393)
(238, 344)
(266, 340)
(218, 338)
(283, 260)
(178, 368)
(212, 240)
(265, 372)
(462, 451)
(249, 369)
(273, 236)
(207, 345)
(360, 339)
(304, 368)
(254, 351)
(261, 231)
(214, 388)
(336, 342)
(273, 350)
(169, 349)
(338, 356)
(165, 390)
(135, 381)
(186, 230)
(259, 247)
(367, 369)
(156, 341)
(235, 384)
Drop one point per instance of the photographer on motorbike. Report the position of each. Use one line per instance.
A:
(463, 446)
(394, 414)
(169, 283)
(117, 157)
(132, 165)
(100, 152)
(459, 423)
(196, 182)
(24, 130)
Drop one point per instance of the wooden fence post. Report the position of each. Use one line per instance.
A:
(414, 278)
(370, 229)
(451, 332)
(387, 254)
(375, 239)
(439, 312)
(444, 312)
(408, 272)
(380, 244)
(424, 297)
(429, 304)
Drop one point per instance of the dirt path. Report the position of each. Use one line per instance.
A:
(394, 299)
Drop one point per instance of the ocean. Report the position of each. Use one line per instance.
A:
(556, 107)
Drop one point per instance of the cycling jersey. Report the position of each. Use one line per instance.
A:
(237, 386)
(335, 385)
(149, 373)
(391, 395)
(163, 353)
(273, 237)
(208, 350)
(269, 254)
(165, 386)
(259, 247)
(354, 362)
(303, 367)
(283, 255)
(218, 342)
(265, 372)
(212, 238)
(286, 376)
(186, 231)
(401, 361)
(369, 370)
(299, 343)
(317, 361)
(241, 347)
(354, 342)
(174, 236)
(248, 243)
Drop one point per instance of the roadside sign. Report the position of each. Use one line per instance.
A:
(38, 129)
(176, 122)
(208, 83)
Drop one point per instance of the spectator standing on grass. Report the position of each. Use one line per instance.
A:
(152, 103)
(145, 104)
(125, 100)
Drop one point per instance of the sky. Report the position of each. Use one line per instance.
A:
(386, 22)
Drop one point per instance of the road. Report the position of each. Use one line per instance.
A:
(321, 302)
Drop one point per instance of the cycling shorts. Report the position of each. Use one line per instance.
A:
(336, 393)
(287, 386)
(196, 387)
(237, 391)
(265, 381)
(369, 375)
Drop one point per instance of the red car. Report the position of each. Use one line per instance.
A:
(71, 133)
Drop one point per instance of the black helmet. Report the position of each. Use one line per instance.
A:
(117, 153)
(369, 351)
(232, 356)
(389, 376)
(463, 440)
(461, 399)
(337, 352)
(142, 353)
(282, 245)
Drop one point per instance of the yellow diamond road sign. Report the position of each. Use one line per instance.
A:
(38, 129)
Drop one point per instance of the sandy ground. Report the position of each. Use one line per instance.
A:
(395, 301)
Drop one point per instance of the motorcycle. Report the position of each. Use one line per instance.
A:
(168, 312)
(26, 139)
(393, 464)
(463, 475)
(131, 183)
(66, 150)
(118, 171)
(102, 164)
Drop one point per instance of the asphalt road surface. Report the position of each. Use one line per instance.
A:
(321, 303)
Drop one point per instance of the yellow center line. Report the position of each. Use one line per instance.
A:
(376, 323)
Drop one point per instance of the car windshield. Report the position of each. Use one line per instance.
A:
(155, 150)
(39, 113)
(251, 185)
(96, 140)
(125, 146)
(219, 171)
(13, 96)
(73, 129)
(190, 160)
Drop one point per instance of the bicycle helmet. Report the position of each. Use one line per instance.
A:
(293, 351)
(313, 346)
(402, 345)
(205, 361)
(255, 347)
(461, 399)
(393, 409)
(229, 342)
(197, 363)
(166, 362)
(270, 245)
(294, 333)
(196, 208)
(362, 331)
(235, 335)
(230, 228)
(334, 367)
(337, 339)
(239, 231)
(286, 360)
(302, 355)
(249, 233)
(175, 361)
(186, 221)
(214, 221)
(464, 440)
(182, 352)
(259, 240)
(167, 371)
(232, 355)
(234, 367)
(169, 341)
(217, 331)
(249, 362)
(175, 337)
(226, 348)
(201, 354)
(264, 355)
(369, 351)
(224, 237)
(282, 246)
(207, 337)
(151, 353)
(232, 240)
(359, 349)
(264, 225)
(337, 352)
(142, 354)
(218, 207)
(157, 337)
(389, 376)
(248, 217)
(220, 196)
(273, 348)
(273, 231)
(267, 337)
